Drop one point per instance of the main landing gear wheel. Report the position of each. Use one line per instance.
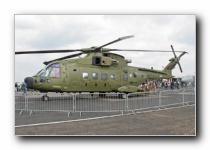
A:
(122, 96)
(45, 98)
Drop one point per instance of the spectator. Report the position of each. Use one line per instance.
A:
(24, 88)
(18, 88)
(172, 85)
(166, 85)
(162, 85)
(177, 85)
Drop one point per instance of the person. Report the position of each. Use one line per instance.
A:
(166, 85)
(177, 85)
(143, 87)
(172, 85)
(152, 87)
(24, 88)
(18, 88)
(162, 85)
(182, 84)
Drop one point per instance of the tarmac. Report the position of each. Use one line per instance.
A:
(179, 121)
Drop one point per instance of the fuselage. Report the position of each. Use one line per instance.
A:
(97, 72)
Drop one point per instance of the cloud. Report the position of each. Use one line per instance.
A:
(156, 32)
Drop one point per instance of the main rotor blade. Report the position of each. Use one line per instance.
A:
(142, 50)
(47, 51)
(117, 40)
(66, 57)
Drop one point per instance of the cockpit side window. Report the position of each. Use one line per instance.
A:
(47, 71)
(54, 70)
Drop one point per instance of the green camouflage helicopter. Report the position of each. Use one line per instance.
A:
(99, 71)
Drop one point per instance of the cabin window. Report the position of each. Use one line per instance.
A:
(95, 76)
(96, 60)
(125, 77)
(104, 76)
(85, 75)
(113, 76)
(52, 71)
(106, 54)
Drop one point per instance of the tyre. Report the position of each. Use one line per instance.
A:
(45, 98)
(122, 96)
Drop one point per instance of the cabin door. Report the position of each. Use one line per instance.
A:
(74, 79)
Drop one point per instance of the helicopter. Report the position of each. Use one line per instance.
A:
(100, 70)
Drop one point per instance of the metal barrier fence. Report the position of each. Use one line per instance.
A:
(106, 102)
(56, 102)
(142, 100)
(170, 97)
(189, 96)
(20, 101)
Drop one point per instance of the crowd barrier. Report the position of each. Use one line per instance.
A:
(103, 102)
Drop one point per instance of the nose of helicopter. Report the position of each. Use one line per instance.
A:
(29, 82)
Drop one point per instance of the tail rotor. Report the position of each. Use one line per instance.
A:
(177, 59)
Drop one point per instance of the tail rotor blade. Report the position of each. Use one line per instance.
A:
(173, 51)
(177, 59)
(182, 54)
(180, 67)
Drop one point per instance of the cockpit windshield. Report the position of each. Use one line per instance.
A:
(52, 70)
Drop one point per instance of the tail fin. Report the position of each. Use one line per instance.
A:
(170, 66)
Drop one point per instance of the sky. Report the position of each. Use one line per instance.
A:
(152, 32)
